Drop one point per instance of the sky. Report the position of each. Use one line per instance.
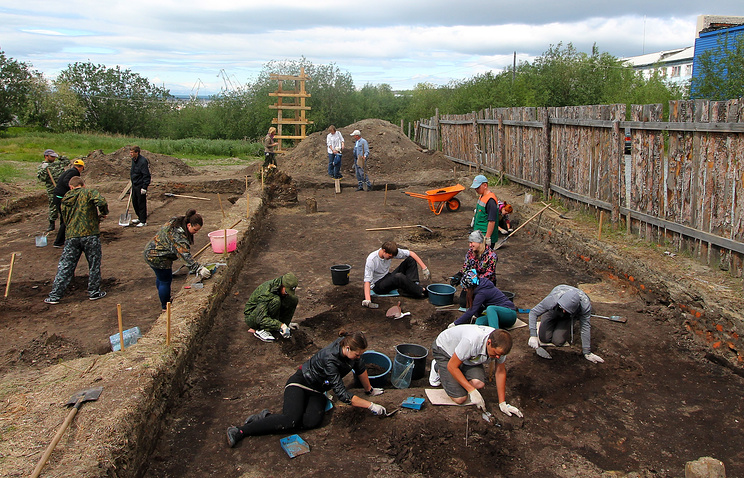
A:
(205, 47)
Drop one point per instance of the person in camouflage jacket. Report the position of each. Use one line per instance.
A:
(48, 172)
(271, 306)
(173, 241)
(82, 210)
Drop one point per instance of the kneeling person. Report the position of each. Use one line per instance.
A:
(459, 354)
(271, 307)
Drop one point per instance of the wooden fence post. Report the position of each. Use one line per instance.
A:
(547, 168)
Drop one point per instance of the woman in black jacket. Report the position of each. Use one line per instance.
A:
(304, 394)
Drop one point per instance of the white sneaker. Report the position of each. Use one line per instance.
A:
(142, 224)
(434, 380)
(135, 221)
(264, 335)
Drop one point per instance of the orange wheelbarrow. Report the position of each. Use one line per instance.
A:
(438, 198)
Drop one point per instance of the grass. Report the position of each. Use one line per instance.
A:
(26, 145)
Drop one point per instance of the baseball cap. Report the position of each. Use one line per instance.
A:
(50, 152)
(289, 281)
(356, 132)
(78, 162)
(478, 180)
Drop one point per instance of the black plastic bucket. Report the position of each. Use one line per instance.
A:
(417, 353)
(340, 274)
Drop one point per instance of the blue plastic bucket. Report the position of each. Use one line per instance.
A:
(441, 294)
(382, 360)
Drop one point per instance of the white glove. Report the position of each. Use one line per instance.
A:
(534, 342)
(452, 325)
(488, 241)
(373, 392)
(284, 330)
(370, 304)
(426, 273)
(376, 409)
(476, 398)
(472, 220)
(204, 273)
(294, 325)
(143, 191)
(594, 358)
(44, 165)
(509, 410)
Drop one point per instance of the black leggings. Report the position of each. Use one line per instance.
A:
(302, 409)
(404, 278)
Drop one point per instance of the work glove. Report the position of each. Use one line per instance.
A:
(44, 165)
(373, 392)
(509, 410)
(534, 342)
(594, 358)
(455, 279)
(426, 273)
(472, 220)
(488, 241)
(203, 272)
(376, 409)
(477, 399)
(294, 325)
(452, 325)
(369, 304)
(143, 191)
(284, 330)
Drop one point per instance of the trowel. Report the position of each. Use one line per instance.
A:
(394, 312)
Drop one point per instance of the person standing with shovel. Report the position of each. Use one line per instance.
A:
(174, 241)
(48, 172)
(140, 176)
(62, 187)
(361, 157)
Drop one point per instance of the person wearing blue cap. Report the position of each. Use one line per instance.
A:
(486, 214)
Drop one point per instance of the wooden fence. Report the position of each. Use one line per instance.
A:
(681, 184)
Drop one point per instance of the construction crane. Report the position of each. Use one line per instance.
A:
(196, 86)
(226, 78)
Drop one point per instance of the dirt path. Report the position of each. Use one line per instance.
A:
(650, 408)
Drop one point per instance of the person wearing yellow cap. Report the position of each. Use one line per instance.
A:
(48, 172)
(270, 308)
(62, 188)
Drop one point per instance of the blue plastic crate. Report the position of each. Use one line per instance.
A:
(294, 445)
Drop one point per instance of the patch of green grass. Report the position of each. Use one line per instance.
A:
(9, 173)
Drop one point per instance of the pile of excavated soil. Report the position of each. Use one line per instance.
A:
(393, 157)
(116, 166)
(7, 190)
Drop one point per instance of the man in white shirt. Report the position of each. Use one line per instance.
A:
(405, 278)
(335, 145)
(459, 354)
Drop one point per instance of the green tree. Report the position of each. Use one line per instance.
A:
(719, 72)
(16, 84)
(116, 100)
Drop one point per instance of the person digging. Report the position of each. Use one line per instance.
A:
(459, 354)
(559, 309)
(47, 172)
(270, 308)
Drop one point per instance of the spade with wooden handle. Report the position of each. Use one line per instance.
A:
(126, 218)
(614, 318)
(520, 227)
(76, 401)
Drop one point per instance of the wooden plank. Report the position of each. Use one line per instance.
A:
(288, 107)
(290, 95)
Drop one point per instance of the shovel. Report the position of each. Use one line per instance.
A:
(76, 401)
(41, 241)
(614, 318)
(126, 218)
(497, 246)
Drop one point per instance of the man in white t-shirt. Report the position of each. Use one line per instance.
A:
(459, 354)
(335, 145)
(405, 278)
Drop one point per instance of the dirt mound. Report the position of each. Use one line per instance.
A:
(280, 189)
(116, 166)
(392, 155)
(8, 190)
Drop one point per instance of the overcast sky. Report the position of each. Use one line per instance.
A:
(182, 44)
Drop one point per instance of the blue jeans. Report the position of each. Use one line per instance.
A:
(163, 280)
(334, 165)
(361, 176)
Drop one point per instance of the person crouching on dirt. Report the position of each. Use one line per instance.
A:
(559, 309)
(270, 308)
(479, 257)
(174, 240)
(459, 354)
(505, 210)
(80, 209)
(405, 278)
(482, 295)
(304, 394)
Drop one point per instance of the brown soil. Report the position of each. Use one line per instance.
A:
(658, 401)
(115, 166)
